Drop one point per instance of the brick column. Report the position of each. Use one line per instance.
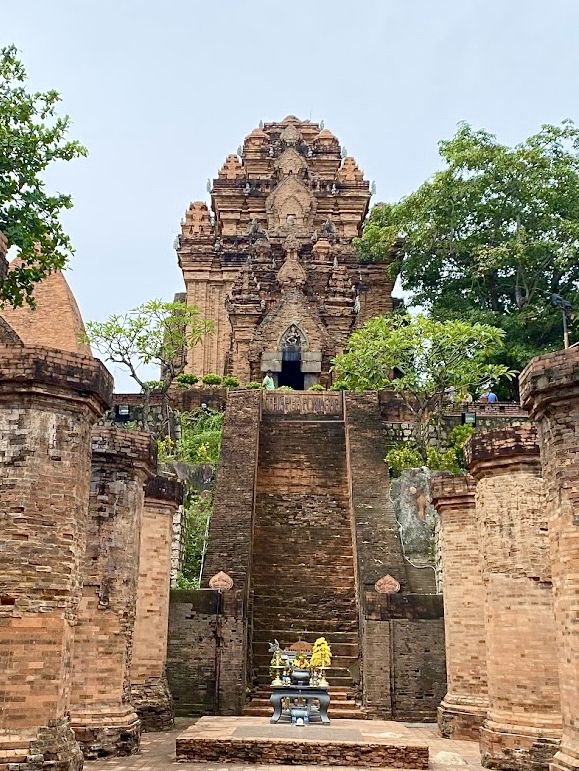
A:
(550, 391)
(149, 690)
(103, 718)
(465, 705)
(523, 726)
(48, 402)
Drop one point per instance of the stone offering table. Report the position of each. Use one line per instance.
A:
(309, 693)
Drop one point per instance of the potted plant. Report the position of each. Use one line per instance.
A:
(321, 659)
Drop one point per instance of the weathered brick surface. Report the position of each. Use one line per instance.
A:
(465, 704)
(550, 391)
(229, 544)
(149, 691)
(102, 715)
(48, 402)
(378, 546)
(403, 655)
(302, 514)
(55, 322)
(523, 725)
(207, 631)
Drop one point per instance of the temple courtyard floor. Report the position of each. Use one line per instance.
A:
(242, 737)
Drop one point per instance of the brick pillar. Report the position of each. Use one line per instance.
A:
(550, 391)
(465, 705)
(48, 402)
(103, 718)
(523, 726)
(149, 690)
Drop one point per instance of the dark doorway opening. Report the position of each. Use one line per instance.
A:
(291, 375)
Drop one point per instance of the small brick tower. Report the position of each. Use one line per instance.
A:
(523, 726)
(149, 690)
(550, 391)
(49, 400)
(102, 715)
(465, 705)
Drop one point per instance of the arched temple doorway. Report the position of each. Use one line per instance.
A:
(291, 359)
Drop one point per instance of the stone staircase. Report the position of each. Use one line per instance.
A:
(303, 583)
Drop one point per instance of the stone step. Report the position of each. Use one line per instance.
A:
(350, 650)
(301, 626)
(214, 740)
(334, 712)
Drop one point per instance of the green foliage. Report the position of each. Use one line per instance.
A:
(316, 387)
(403, 456)
(491, 236)
(186, 379)
(156, 332)
(199, 441)
(458, 438)
(253, 384)
(442, 460)
(187, 583)
(153, 385)
(420, 358)
(198, 509)
(212, 379)
(32, 137)
(285, 388)
(339, 385)
(229, 381)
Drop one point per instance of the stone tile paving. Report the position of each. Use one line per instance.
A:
(158, 754)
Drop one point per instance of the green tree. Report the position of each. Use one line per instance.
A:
(32, 136)
(421, 359)
(156, 333)
(491, 236)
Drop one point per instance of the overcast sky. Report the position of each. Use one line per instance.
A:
(160, 92)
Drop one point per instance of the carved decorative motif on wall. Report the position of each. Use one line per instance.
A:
(387, 585)
(290, 208)
(290, 162)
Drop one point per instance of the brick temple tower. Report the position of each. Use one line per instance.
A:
(272, 264)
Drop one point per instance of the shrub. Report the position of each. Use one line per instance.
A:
(186, 379)
(187, 583)
(403, 456)
(253, 384)
(230, 381)
(443, 460)
(339, 385)
(316, 387)
(212, 379)
(154, 385)
(285, 388)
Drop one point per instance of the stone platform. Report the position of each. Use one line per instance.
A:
(374, 743)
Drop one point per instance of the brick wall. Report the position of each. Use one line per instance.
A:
(149, 691)
(403, 655)
(378, 547)
(102, 715)
(207, 632)
(465, 704)
(550, 390)
(48, 401)
(230, 529)
(403, 661)
(522, 728)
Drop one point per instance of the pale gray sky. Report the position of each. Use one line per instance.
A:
(161, 92)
